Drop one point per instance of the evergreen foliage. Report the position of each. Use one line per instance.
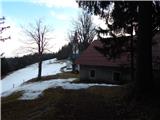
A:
(124, 17)
(65, 52)
(11, 64)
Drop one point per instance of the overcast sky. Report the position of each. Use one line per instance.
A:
(56, 13)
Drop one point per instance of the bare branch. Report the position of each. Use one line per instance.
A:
(85, 30)
(38, 35)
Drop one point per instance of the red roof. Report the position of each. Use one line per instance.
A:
(93, 57)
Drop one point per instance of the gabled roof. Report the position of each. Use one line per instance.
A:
(91, 56)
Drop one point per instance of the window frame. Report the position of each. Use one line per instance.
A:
(94, 73)
(113, 75)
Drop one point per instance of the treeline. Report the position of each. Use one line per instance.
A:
(65, 52)
(12, 64)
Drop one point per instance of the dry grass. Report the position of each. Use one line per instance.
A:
(56, 104)
(95, 103)
(11, 98)
(64, 75)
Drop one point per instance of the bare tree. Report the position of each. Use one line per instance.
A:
(85, 30)
(38, 40)
(81, 36)
(2, 28)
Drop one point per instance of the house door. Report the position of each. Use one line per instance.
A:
(116, 76)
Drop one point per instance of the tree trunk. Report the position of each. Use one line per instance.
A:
(39, 68)
(132, 55)
(144, 82)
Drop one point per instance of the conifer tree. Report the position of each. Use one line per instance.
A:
(128, 16)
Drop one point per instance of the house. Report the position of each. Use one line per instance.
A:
(94, 66)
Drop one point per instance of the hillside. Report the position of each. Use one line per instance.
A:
(59, 97)
(20, 76)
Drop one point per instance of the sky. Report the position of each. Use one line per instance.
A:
(58, 14)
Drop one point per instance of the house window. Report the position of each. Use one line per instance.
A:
(92, 73)
(116, 76)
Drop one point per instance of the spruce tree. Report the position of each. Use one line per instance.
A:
(126, 16)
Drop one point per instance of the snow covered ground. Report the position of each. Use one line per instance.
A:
(34, 90)
(13, 82)
(50, 67)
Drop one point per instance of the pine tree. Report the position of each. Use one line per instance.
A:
(126, 16)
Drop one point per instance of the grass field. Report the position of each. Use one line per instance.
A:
(94, 103)
(64, 75)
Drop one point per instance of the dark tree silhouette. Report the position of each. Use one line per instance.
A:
(144, 48)
(124, 17)
(11, 64)
(4, 66)
(65, 52)
(155, 17)
(128, 15)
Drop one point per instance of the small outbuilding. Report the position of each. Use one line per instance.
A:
(94, 66)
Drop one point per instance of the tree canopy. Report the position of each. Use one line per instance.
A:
(139, 17)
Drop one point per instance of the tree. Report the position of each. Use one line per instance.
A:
(120, 20)
(2, 28)
(144, 48)
(85, 30)
(155, 17)
(75, 48)
(65, 52)
(125, 14)
(4, 63)
(38, 40)
(4, 66)
(82, 35)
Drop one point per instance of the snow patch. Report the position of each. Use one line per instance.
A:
(34, 90)
(15, 79)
